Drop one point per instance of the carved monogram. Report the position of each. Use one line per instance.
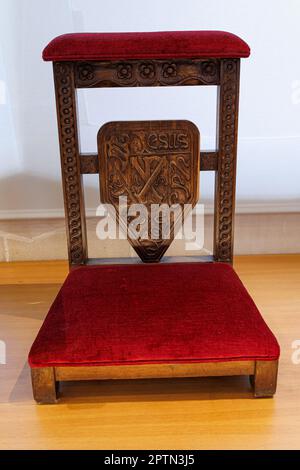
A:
(63, 73)
(148, 73)
(149, 163)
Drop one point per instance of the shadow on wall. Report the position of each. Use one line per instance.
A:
(19, 192)
(40, 234)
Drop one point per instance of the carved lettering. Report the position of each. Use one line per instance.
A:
(168, 141)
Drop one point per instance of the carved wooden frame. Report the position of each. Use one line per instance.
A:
(70, 162)
(224, 73)
(225, 185)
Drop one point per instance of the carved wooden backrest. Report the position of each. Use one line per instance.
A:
(155, 165)
(224, 73)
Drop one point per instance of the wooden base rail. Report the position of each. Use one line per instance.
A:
(263, 375)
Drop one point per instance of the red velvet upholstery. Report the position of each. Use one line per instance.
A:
(161, 45)
(139, 314)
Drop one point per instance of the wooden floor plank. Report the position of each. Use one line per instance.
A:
(204, 413)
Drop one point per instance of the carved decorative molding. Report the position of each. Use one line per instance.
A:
(136, 73)
(66, 108)
(149, 163)
(226, 176)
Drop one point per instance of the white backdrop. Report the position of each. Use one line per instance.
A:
(269, 148)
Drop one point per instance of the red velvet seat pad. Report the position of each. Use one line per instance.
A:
(157, 45)
(139, 314)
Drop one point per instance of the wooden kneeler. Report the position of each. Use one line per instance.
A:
(150, 163)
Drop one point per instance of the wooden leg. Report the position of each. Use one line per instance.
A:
(265, 379)
(44, 386)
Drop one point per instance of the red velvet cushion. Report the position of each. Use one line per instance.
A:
(162, 45)
(139, 314)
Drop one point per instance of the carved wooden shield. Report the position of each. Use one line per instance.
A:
(155, 164)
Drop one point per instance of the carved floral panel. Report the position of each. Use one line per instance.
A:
(139, 73)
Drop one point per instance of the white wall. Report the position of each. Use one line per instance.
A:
(269, 150)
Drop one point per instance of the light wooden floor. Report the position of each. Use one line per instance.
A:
(217, 413)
